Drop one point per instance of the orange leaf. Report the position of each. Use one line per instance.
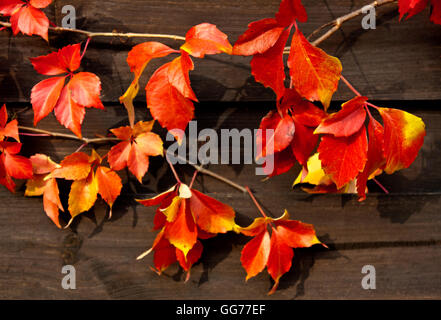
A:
(8, 129)
(51, 201)
(211, 215)
(85, 89)
(68, 102)
(167, 104)
(109, 184)
(314, 74)
(68, 112)
(295, 234)
(143, 53)
(83, 194)
(182, 232)
(74, 167)
(255, 254)
(44, 97)
(403, 138)
(206, 38)
(30, 20)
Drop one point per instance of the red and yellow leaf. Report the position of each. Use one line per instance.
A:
(403, 138)
(314, 74)
(210, 214)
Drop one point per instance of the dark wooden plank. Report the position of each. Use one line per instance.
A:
(406, 255)
(423, 175)
(395, 61)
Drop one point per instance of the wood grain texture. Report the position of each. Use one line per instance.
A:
(400, 234)
(393, 62)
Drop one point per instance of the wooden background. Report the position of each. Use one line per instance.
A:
(396, 65)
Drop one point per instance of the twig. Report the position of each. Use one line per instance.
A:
(47, 133)
(337, 23)
(91, 34)
(212, 174)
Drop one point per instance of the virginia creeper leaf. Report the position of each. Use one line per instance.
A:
(314, 73)
(206, 38)
(343, 158)
(347, 121)
(403, 138)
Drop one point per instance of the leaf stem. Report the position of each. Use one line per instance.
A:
(350, 86)
(172, 167)
(381, 186)
(85, 48)
(255, 202)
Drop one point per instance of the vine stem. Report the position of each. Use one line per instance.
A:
(47, 133)
(91, 34)
(338, 22)
(214, 175)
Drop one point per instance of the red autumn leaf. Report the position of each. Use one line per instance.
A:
(138, 59)
(259, 37)
(255, 254)
(343, 158)
(169, 95)
(403, 138)
(8, 129)
(87, 182)
(279, 139)
(193, 256)
(13, 165)
(42, 166)
(26, 16)
(302, 110)
(210, 214)
(375, 156)
(314, 74)
(410, 8)
(206, 38)
(141, 54)
(304, 142)
(185, 215)
(109, 185)
(68, 101)
(279, 259)
(347, 121)
(134, 151)
(289, 11)
(268, 67)
(436, 12)
(45, 95)
(282, 162)
(164, 253)
(274, 251)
